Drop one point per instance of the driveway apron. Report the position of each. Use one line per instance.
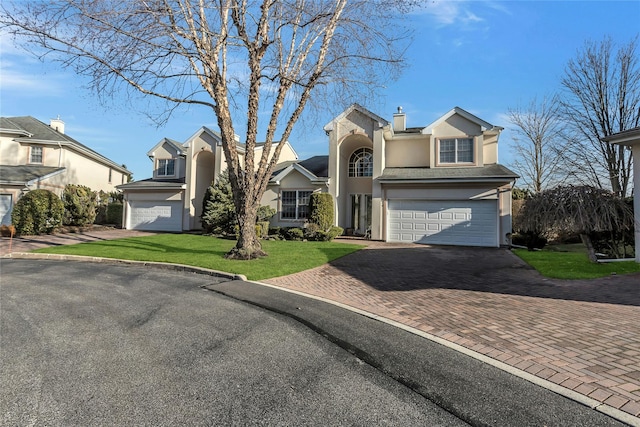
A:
(583, 335)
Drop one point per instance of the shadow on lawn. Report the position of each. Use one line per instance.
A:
(480, 270)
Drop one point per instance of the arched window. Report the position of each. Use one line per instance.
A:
(361, 163)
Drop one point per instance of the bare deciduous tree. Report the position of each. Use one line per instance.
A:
(602, 98)
(236, 57)
(539, 137)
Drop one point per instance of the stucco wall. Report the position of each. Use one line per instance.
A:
(407, 152)
(80, 169)
(456, 125)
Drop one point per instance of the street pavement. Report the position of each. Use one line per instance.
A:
(580, 338)
(107, 344)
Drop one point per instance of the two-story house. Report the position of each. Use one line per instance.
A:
(437, 184)
(36, 155)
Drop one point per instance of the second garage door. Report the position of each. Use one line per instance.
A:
(156, 216)
(451, 222)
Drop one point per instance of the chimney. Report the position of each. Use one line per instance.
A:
(399, 121)
(57, 124)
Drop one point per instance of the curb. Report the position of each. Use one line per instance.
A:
(563, 391)
(101, 260)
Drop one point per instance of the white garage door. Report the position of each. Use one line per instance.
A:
(156, 216)
(462, 223)
(5, 209)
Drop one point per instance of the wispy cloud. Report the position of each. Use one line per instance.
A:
(13, 77)
(447, 13)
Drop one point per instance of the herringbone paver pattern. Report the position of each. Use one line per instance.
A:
(582, 335)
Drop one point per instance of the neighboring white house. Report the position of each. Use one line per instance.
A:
(437, 184)
(631, 138)
(36, 155)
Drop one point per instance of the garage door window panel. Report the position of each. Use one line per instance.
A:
(456, 151)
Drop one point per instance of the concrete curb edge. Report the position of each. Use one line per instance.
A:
(102, 260)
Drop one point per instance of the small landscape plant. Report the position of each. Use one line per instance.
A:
(37, 212)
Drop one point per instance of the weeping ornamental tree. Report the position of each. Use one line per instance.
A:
(579, 210)
(241, 59)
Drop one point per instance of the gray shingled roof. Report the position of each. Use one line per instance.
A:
(152, 183)
(43, 132)
(490, 172)
(22, 174)
(317, 165)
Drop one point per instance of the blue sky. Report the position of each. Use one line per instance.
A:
(483, 56)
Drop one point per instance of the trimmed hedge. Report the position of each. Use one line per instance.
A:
(37, 212)
(80, 205)
(321, 210)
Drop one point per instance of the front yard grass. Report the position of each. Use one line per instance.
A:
(285, 257)
(573, 265)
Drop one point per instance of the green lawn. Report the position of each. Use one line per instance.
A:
(285, 257)
(573, 265)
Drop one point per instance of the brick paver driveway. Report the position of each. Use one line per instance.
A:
(582, 335)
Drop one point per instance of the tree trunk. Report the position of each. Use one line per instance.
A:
(590, 250)
(248, 245)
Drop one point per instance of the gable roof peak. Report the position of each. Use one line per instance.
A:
(484, 125)
(355, 107)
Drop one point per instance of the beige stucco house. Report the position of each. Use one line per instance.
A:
(172, 199)
(631, 138)
(438, 184)
(36, 155)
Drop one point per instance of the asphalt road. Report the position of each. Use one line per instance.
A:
(100, 344)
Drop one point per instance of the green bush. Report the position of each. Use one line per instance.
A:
(37, 212)
(321, 210)
(314, 232)
(218, 211)
(80, 204)
(114, 214)
(294, 233)
(264, 229)
(531, 239)
(265, 213)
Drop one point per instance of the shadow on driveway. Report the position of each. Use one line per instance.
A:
(388, 267)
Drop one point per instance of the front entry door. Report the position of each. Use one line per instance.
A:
(360, 213)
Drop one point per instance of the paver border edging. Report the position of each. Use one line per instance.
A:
(154, 264)
(563, 391)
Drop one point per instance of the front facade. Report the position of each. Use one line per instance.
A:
(36, 155)
(172, 199)
(436, 184)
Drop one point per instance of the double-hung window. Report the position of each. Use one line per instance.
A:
(294, 204)
(35, 155)
(456, 150)
(166, 167)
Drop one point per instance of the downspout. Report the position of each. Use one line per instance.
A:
(60, 154)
